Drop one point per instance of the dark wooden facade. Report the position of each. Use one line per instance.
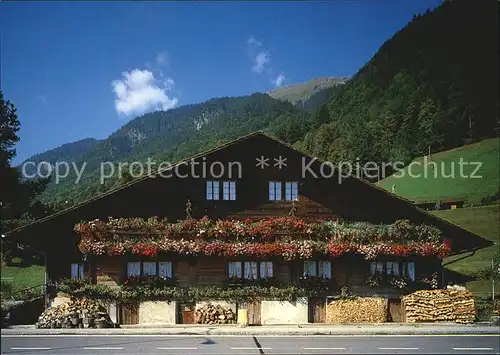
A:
(322, 194)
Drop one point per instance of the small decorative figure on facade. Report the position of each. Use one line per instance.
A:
(188, 210)
(293, 209)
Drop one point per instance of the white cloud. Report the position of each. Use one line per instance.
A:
(139, 92)
(260, 60)
(253, 42)
(162, 59)
(260, 56)
(279, 80)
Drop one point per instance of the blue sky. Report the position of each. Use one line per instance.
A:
(78, 70)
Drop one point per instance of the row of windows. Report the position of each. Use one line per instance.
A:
(150, 268)
(254, 269)
(229, 190)
(406, 269)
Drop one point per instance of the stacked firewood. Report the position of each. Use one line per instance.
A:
(440, 306)
(214, 314)
(82, 313)
(359, 310)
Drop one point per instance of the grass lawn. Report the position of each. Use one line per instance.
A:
(433, 185)
(483, 221)
(22, 277)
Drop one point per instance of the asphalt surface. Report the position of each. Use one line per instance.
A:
(253, 345)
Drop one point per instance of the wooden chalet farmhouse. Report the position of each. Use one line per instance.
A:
(252, 224)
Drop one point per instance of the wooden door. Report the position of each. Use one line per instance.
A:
(317, 310)
(129, 313)
(396, 311)
(253, 309)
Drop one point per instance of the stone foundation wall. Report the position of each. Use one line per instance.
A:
(277, 312)
(157, 312)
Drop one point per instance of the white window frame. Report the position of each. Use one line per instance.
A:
(149, 268)
(132, 268)
(235, 270)
(291, 190)
(229, 190)
(310, 265)
(165, 269)
(212, 190)
(161, 268)
(377, 267)
(392, 268)
(77, 271)
(266, 269)
(409, 270)
(275, 193)
(251, 271)
(325, 265)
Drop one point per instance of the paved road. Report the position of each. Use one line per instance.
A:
(258, 345)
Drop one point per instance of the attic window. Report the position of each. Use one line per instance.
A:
(212, 190)
(274, 190)
(229, 190)
(291, 191)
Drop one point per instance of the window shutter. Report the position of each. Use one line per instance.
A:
(165, 269)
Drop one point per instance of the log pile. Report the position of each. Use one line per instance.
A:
(440, 306)
(82, 313)
(359, 310)
(210, 314)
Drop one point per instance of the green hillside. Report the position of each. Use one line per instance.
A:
(435, 183)
(484, 221)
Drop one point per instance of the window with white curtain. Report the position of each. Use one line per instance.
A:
(165, 269)
(392, 268)
(235, 269)
(409, 270)
(291, 191)
(376, 267)
(274, 191)
(229, 190)
(134, 268)
(77, 271)
(325, 269)
(310, 268)
(266, 269)
(250, 270)
(149, 268)
(212, 190)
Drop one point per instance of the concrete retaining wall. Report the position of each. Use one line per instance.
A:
(277, 312)
(157, 312)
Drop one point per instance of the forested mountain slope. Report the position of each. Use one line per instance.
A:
(433, 86)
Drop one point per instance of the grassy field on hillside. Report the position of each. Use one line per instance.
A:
(22, 277)
(483, 221)
(434, 184)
